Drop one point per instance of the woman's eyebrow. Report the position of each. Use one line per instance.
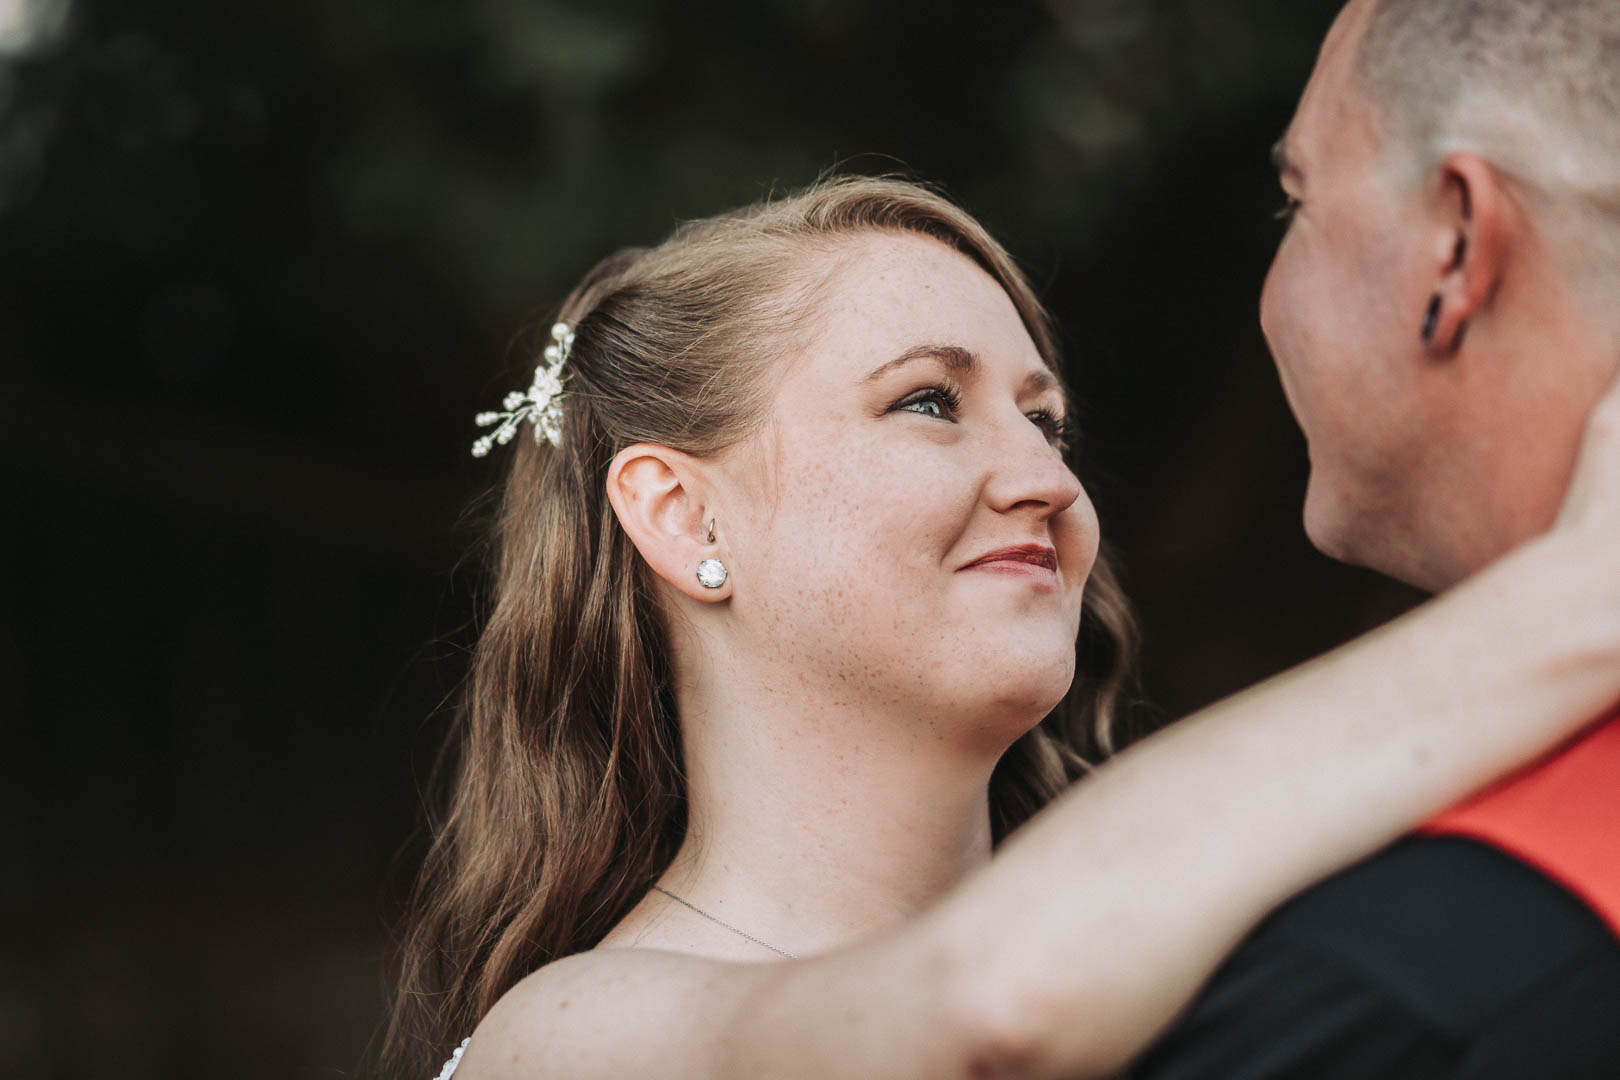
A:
(959, 361)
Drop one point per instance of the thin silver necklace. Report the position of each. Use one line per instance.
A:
(722, 922)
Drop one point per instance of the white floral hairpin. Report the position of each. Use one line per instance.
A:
(540, 404)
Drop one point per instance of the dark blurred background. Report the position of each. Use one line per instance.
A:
(260, 263)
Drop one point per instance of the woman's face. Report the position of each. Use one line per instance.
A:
(917, 435)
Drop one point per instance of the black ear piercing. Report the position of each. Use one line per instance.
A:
(1431, 320)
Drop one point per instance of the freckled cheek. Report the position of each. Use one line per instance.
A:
(910, 517)
(875, 507)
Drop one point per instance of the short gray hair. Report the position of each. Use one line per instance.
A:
(1531, 85)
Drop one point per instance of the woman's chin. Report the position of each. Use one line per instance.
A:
(1027, 653)
(1019, 687)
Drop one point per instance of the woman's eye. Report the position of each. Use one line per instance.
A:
(936, 401)
(1057, 428)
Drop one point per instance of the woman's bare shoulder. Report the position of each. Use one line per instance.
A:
(612, 1012)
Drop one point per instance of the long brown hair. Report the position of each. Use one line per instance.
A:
(568, 797)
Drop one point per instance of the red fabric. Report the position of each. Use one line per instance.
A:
(1561, 816)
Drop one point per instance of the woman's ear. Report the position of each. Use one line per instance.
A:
(1473, 215)
(659, 496)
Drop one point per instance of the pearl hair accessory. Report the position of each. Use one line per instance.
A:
(540, 404)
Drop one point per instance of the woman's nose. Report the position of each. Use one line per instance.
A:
(1031, 473)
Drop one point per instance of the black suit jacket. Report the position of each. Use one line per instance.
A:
(1439, 957)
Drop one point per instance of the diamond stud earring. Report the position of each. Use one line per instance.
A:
(711, 573)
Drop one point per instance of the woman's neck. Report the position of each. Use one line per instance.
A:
(814, 826)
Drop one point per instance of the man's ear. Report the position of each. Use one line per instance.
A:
(1472, 214)
(659, 497)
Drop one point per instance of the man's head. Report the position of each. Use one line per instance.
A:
(1445, 308)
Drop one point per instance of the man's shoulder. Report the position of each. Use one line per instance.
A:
(1451, 928)
(1436, 957)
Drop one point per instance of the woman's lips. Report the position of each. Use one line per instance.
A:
(1031, 559)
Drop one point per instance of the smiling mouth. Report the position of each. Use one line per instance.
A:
(1031, 555)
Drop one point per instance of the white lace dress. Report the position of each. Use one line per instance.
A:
(449, 1069)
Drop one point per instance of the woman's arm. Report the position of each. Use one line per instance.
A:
(1099, 919)
(1199, 832)
(1097, 922)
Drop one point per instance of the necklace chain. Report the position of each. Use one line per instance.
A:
(722, 922)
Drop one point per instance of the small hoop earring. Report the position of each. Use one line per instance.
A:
(711, 573)
(710, 538)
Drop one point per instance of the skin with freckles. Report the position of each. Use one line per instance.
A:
(845, 697)
(908, 556)
(881, 488)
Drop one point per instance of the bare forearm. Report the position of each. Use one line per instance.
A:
(1114, 905)
(1099, 920)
